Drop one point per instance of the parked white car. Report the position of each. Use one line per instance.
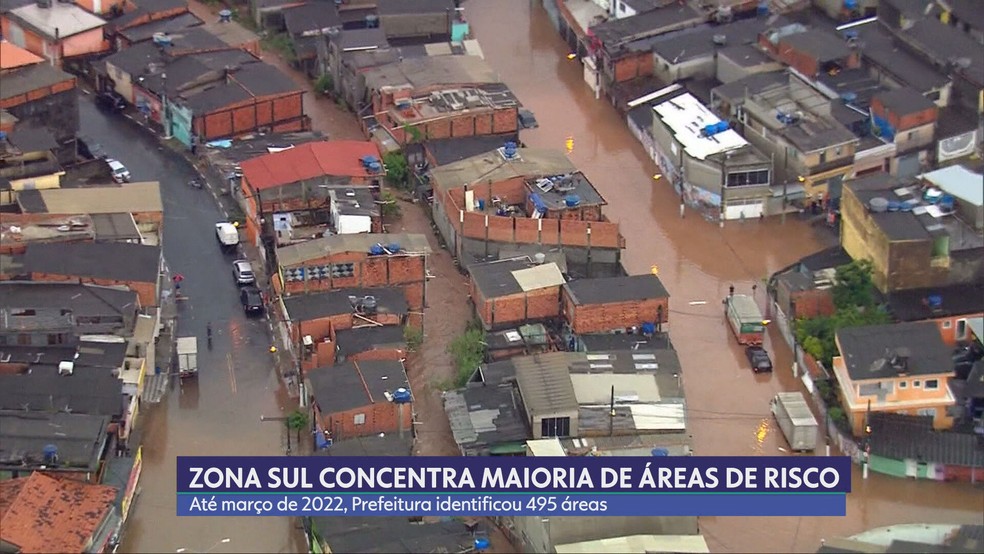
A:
(119, 171)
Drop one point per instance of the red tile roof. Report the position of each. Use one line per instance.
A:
(44, 514)
(337, 158)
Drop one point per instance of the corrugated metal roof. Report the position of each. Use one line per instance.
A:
(960, 182)
(596, 388)
(546, 447)
(637, 543)
(545, 382)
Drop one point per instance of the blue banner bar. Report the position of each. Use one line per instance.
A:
(547, 475)
(476, 504)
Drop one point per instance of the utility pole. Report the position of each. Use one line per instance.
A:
(866, 460)
(286, 421)
(611, 414)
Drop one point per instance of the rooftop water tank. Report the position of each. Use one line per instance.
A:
(509, 149)
(850, 5)
(376, 250)
(947, 202)
(721, 126)
(894, 206)
(935, 301)
(648, 328)
(372, 21)
(539, 257)
(394, 247)
(572, 200)
(482, 543)
(878, 205)
(50, 453)
(161, 39)
(660, 452)
(369, 305)
(401, 396)
(709, 130)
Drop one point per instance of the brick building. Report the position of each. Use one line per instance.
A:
(135, 266)
(57, 31)
(811, 52)
(300, 181)
(322, 315)
(437, 97)
(615, 303)
(907, 119)
(357, 261)
(507, 293)
(39, 95)
(356, 399)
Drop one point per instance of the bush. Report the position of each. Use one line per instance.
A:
(390, 208)
(324, 85)
(414, 337)
(397, 169)
(467, 352)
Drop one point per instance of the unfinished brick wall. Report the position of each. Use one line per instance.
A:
(515, 309)
(812, 303)
(603, 318)
(560, 232)
(380, 417)
(634, 65)
(280, 112)
(394, 354)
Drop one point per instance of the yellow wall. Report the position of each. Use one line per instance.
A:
(41, 182)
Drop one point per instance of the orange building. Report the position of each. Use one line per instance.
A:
(13, 56)
(903, 368)
(56, 31)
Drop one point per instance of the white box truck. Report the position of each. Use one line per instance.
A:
(227, 235)
(187, 351)
(796, 421)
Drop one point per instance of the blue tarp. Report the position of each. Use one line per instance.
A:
(538, 203)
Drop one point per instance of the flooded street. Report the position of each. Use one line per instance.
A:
(697, 262)
(219, 412)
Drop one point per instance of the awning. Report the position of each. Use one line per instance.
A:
(792, 191)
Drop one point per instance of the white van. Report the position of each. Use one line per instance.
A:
(227, 234)
(119, 171)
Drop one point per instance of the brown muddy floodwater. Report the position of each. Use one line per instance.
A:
(697, 261)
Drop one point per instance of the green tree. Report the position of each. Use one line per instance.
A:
(413, 133)
(297, 421)
(324, 84)
(397, 169)
(853, 286)
(413, 336)
(468, 352)
(390, 208)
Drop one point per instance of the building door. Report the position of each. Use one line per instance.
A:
(961, 331)
(911, 468)
(908, 166)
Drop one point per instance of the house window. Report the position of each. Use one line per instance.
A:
(931, 412)
(932, 384)
(947, 324)
(746, 178)
(961, 332)
(555, 427)
(903, 384)
(823, 157)
(359, 419)
(838, 151)
(911, 135)
(916, 384)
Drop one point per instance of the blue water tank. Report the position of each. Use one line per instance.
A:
(850, 5)
(947, 202)
(709, 130)
(908, 205)
(660, 452)
(509, 149)
(538, 203)
(372, 21)
(50, 453)
(572, 200)
(722, 126)
(376, 250)
(935, 301)
(763, 9)
(894, 206)
(648, 328)
(482, 543)
(401, 396)
(481, 204)
(394, 247)
(375, 167)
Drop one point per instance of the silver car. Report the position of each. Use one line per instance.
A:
(242, 271)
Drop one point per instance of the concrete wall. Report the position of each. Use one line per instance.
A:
(668, 72)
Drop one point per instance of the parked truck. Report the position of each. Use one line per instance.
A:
(796, 421)
(187, 352)
(227, 235)
(745, 319)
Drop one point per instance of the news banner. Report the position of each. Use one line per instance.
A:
(513, 486)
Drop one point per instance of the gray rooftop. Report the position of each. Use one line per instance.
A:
(27, 139)
(364, 339)
(904, 101)
(945, 44)
(361, 38)
(432, 71)
(115, 227)
(308, 307)
(445, 151)
(89, 301)
(80, 438)
(496, 279)
(169, 26)
(576, 184)
(882, 49)
(484, 416)
(616, 289)
(355, 384)
(120, 261)
(820, 45)
(491, 167)
(545, 382)
(297, 254)
(616, 32)
(32, 77)
(58, 19)
(868, 351)
(95, 392)
(745, 55)
(698, 42)
(261, 79)
(311, 18)
(902, 437)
